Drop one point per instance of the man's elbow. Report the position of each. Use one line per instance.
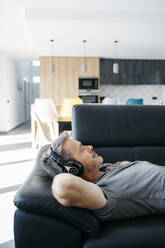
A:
(61, 188)
(65, 202)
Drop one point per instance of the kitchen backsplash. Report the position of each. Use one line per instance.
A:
(123, 93)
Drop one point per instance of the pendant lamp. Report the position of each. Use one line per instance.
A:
(84, 65)
(52, 66)
(116, 65)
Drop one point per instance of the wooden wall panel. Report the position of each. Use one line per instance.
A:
(64, 81)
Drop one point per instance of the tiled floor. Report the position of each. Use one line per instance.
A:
(16, 161)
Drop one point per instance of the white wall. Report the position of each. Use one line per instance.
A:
(124, 92)
(17, 92)
(11, 99)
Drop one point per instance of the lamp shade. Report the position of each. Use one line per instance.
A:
(84, 67)
(52, 67)
(115, 68)
(66, 109)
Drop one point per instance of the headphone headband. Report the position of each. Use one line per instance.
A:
(57, 159)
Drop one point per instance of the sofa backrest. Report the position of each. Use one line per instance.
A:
(122, 132)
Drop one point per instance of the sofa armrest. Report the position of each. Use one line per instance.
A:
(33, 231)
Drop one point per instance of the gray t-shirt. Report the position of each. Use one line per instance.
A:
(132, 189)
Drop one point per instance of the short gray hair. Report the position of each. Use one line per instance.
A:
(58, 144)
(57, 147)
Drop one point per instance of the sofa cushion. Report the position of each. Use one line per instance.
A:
(153, 154)
(122, 132)
(143, 232)
(35, 196)
(119, 125)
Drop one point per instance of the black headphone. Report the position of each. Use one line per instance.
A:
(69, 166)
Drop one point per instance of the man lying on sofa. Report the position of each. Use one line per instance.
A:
(111, 191)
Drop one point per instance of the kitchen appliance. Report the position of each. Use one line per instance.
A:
(88, 89)
(89, 96)
(88, 83)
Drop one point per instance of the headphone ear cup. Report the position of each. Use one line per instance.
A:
(76, 168)
(73, 171)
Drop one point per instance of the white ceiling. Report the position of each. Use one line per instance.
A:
(26, 27)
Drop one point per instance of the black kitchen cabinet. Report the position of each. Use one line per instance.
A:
(106, 74)
(132, 72)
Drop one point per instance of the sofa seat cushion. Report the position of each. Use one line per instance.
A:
(143, 232)
(35, 197)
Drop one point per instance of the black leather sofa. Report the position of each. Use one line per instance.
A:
(117, 133)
